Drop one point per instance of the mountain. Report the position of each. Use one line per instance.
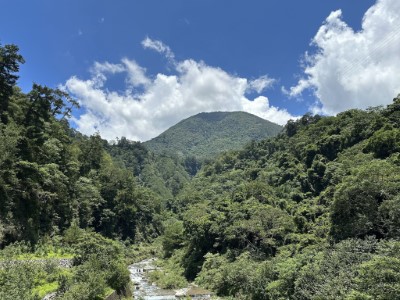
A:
(310, 214)
(313, 213)
(207, 134)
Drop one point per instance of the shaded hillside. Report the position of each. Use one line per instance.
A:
(163, 174)
(207, 134)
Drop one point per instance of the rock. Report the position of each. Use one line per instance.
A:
(50, 296)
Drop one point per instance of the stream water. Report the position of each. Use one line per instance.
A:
(143, 289)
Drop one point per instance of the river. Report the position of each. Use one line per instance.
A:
(143, 289)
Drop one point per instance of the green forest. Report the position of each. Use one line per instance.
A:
(207, 134)
(312, 213)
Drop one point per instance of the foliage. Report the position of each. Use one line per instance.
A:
(172, 238)
(170, 273)
(18, 280)
(52, 176)
(207, 134)
(163, 174)
(299, 216)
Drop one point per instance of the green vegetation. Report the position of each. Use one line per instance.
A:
(163, 174)
(52, 176)
(170, 274)
(166, 163)
(59, 190)
(312, 213)
(46, 288)
(99, 266)
(207, 134)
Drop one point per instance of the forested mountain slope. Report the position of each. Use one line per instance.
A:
(162, 173)
(166, 163)
(62, 196)
(311, 214)
(207, 134)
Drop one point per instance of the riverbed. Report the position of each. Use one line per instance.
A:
(143, 289)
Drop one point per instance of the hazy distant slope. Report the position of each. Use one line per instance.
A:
(207, 134)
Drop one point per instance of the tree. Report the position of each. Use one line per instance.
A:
(91, 154)
(173, 237)
(379, 278)
(357, 200)
(384, 142)
(10, 60)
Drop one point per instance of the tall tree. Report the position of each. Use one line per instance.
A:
(10, 60)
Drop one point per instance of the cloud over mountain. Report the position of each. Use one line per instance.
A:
(151, 104)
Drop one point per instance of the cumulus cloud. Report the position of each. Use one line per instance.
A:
(99, 71)
(163, 100)
(354, 69)
(136, 74)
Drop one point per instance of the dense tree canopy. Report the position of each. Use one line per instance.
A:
(300, 216)
(51, 176)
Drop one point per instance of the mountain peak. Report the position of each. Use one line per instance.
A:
(208, 133)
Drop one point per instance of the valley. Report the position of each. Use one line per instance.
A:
(223, 201)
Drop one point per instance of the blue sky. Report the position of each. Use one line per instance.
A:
(138, 67)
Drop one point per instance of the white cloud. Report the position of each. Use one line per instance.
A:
(163, 100)
(260, 106)
(159, 47)
(355, 69)
(100, 70)
(260, 84)
(136, 74)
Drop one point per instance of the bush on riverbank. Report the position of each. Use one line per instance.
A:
(31, 272)
(170, 275)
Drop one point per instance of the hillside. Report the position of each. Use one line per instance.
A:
(207, 134)
(163, 174)
(310, 214)
(62, 198)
